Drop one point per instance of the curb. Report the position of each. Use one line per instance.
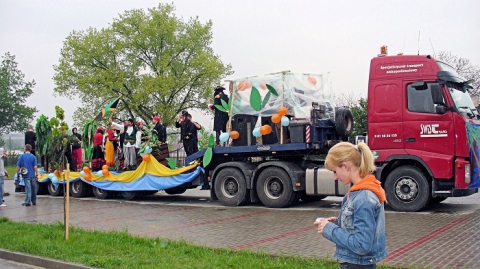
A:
(39, 261)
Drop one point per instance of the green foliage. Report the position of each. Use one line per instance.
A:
(118, 249)
(43, 132)
(156, 61)
(172, 163)
(14, 91)
(203, 142)
(88, 131)
(359, 113)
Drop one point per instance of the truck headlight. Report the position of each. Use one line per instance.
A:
(467, 173)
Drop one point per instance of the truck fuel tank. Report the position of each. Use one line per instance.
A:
(320, 181)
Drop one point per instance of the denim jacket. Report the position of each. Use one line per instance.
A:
(359, 233)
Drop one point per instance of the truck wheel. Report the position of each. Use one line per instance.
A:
(174, 191)
(55, 191)
(274, 188)
(102, 194)
(231, 187)
(344, 122)
(79, 189)
(407, 189)
(131, 195)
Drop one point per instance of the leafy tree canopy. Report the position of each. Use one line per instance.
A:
(14, 91)
(156, 61)
(464, 68)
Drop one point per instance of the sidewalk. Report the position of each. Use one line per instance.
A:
(447, 236)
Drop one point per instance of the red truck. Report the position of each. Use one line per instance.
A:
(423, 129)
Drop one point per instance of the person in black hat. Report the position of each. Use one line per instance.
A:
(221, 118)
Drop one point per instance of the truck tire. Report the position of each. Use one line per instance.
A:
(55, 191)
(79, 189)
(102, 194)
(131, 195)
(407, 189)
(231, 187)
(174, 191)
(344, 122)
(274, 188)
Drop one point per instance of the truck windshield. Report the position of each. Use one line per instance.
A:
(462, 100)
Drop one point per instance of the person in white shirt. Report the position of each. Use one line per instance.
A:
(129, 142)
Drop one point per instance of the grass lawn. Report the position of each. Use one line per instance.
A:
(11, 170)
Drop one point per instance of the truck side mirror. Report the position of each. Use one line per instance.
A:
(437, 96)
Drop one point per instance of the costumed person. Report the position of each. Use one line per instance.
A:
(30, 138)
(98, 158)
(77, 150)
(190, 140)
(221, 118)
(138, 141)
(109, 149)
(180, 123)
(161, 131)
(29, 161)
(359, 230)
(130, 132)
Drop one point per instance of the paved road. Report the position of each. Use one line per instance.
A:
(450, 228)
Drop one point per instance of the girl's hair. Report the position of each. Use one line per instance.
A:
(359, 155)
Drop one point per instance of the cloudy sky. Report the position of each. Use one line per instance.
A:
(255, 37)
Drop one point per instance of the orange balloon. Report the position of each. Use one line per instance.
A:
(312, 80)
(264, 130)
(105, 167)
(276, 118)
(105, 172)
(263, 86)
(269, 129)
(234, 134)
(87, 176)
(282, 111)
(57, 173)
(86, 169)
(146, 157)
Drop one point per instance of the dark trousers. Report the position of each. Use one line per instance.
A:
(347, 265)
(190, 146)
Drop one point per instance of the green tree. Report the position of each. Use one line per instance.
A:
(464, 68)
(156, 61)
(359, 113)
(14, 90)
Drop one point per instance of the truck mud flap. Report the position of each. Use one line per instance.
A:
(320, 181)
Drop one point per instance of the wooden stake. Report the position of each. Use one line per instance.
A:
(67, 202)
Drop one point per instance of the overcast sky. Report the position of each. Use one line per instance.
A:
(255, 37)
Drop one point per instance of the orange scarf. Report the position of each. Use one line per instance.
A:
(370, 183)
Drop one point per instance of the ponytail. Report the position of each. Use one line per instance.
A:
(359, 155)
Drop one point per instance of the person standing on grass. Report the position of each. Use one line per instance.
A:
(359, 230)
(29, 161)
(3, 173)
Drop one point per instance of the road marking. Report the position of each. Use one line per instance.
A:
(414, 244)
(204, 223)
(270, 239)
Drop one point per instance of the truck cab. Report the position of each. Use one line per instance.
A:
(422, 128)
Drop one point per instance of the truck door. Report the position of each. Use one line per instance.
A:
(428, 135)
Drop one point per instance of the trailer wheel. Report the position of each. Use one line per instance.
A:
(407, 189)
(274, 188)
(79, 189)
(131, 195)
(174, 191)
(42, 188)
(231, 187)
(103, 194)
(55, 190)
(344, 122)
